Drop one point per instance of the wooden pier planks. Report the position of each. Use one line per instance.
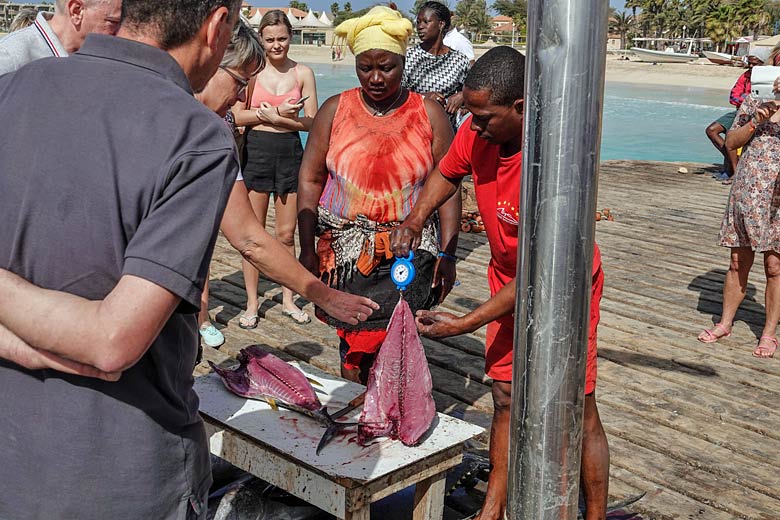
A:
(694, 425)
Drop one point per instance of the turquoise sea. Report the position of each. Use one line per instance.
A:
(650, 122)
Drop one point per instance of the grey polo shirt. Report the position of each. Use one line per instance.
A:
(29, 44)
(118, 170)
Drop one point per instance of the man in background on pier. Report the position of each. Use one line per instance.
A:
(61, 33)
(489, 147)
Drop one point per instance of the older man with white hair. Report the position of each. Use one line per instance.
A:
(60, 33)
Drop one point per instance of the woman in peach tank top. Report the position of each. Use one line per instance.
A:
(282, 102)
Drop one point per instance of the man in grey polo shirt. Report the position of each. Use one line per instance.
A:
(59, 34)
(120, 213)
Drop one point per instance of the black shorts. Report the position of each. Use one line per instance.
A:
(273, 162)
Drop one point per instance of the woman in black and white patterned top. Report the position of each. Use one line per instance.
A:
(432, 68)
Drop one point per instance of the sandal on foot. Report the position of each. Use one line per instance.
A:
(711, 336)
(300, 317)
(767, 345)
(248, 321)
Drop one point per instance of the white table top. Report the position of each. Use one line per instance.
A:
(297, 435)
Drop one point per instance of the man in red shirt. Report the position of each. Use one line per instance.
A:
(489, 149)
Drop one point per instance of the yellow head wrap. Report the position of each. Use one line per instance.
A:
(380, 28)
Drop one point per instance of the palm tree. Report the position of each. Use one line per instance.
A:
(721, 25)
(621, 24)
(474, 16)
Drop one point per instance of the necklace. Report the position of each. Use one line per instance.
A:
(382, 112)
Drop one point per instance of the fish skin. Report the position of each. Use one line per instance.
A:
(265, 377)
(399, 402)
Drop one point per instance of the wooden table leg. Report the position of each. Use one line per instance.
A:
(429, 498)
(360, 514)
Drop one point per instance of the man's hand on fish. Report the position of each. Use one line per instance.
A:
(348, 308)
(434, 324)
(437, 324)
(17, 351)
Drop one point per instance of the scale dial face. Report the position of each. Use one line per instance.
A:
(401, 273)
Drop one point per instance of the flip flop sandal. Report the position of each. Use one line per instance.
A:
(300, 317)
(711, 336)
(251, 320)
(765, 351)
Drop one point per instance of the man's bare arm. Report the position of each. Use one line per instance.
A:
(444, 324)
(12, 348)
(110, 334)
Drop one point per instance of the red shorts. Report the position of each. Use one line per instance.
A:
(500, 335)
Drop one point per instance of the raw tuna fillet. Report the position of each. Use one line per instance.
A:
(398, 402)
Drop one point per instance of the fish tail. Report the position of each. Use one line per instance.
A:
(331, 431)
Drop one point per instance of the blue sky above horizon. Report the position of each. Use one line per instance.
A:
(403, 5)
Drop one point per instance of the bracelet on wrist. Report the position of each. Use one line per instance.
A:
(752, 124)
(277, 112)
(448, 256)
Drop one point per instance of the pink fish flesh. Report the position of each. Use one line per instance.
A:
(398, 402)
(265, 377)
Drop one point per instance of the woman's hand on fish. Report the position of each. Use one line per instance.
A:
(346, 307)
(444, 275)
(17, 351)
(405, 238)
(437, 324)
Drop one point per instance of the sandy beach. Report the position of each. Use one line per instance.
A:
(700, 74)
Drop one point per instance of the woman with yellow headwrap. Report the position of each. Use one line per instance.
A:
(369, 152)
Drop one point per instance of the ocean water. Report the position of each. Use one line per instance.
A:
(641, 122)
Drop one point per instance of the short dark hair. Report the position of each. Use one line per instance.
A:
(442, 13)
(502, 71)
(172, 22)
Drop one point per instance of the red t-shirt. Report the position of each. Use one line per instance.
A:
(497, 190)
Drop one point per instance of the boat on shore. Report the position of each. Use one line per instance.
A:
(662, 56)
(720, 58)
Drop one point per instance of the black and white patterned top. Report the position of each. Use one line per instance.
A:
(425, 72)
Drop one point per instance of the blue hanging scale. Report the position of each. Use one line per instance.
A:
(402, 273)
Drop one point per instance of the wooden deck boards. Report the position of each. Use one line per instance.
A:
(694, 425)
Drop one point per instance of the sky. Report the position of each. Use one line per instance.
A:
(403, 5)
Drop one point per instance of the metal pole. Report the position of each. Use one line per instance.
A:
(564, 90)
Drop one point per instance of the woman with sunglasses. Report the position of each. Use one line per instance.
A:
(273, 149)
(243, 58)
